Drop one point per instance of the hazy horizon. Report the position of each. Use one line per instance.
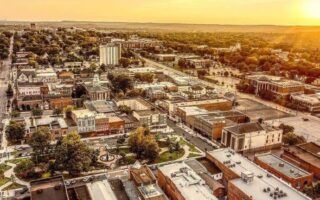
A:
(216, 12)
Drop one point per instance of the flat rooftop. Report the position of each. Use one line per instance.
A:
(190, 184)
(101, 190)
(193, 110)
(261, 180)
(313, 99)
(282, 166)
(201, 102)
(280, 81)
(101, 106)
(151, 191)
(245, 128)
(306, 155)
(147, 112)
(48, 189)
(83, 113)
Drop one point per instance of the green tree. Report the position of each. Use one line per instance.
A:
(122, 83)
(144, 144)
(125, 109)
(37, 111)
(25, 168)
(15, 132)
(68, 112)
(286, 128)
(177, 146)
(293, 139)
(9, 91)
(73, 155)
(40, 143)
(57, 111)
(15, 113)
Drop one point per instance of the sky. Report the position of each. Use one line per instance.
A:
(240, 12)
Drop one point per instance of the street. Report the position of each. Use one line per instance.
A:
(4, 80)
(223, 89)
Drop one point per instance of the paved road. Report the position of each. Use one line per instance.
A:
(200, 143)
(223, 89)
(5, 66)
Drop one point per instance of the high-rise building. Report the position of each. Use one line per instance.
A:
(110, 54)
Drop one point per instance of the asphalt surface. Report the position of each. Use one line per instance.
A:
(4, 79)
(198, 142)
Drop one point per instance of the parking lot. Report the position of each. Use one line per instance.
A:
(256, 110)
(308, 129)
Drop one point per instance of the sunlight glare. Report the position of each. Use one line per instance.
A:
(312, 8)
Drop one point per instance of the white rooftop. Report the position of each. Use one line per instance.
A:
(188, 182)
(83, 113)
(193, 110)
(101, 190)
(154, 85)
(308, 98)
(261, 180)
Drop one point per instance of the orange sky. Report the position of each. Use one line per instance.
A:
(278, 12)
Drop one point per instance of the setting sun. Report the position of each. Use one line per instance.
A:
(312, 8)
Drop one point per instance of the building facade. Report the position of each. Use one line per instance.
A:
(110, 54)
(251, 136)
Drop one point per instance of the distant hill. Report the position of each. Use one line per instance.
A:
(173, 27)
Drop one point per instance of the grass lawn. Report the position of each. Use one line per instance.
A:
(46, 175)
(192, 148)
(167, 156)
(13, 186)
(4, 167)
(192, 155)
(4, 180)
(16, 160)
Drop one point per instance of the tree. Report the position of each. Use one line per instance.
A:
(144, 77)
(37, 112)
(293, 139)
(68, 112)
(122, 83)
(15, 132)
(15, 114)
(286, 128)
(80, 90)
(57, 111)
(317, 187)
(25, 168)
(144, 144)
(308, 190)
(9, 91)
(124, 62)
(73, 155)
(40, 143)
(177, 146)
(125, 109)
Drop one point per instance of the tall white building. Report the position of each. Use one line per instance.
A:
(110, 54)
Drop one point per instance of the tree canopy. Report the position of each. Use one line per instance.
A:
(73, 155)
(15, 132)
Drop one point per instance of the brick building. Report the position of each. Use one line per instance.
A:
(180, 182)
(145, 182)
(291, 173)
(212, 124)
(247, 181)
(306, 156)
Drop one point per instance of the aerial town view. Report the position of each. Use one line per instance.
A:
(160, 100)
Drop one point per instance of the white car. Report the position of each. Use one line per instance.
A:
(85, 179)
(67, 183)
